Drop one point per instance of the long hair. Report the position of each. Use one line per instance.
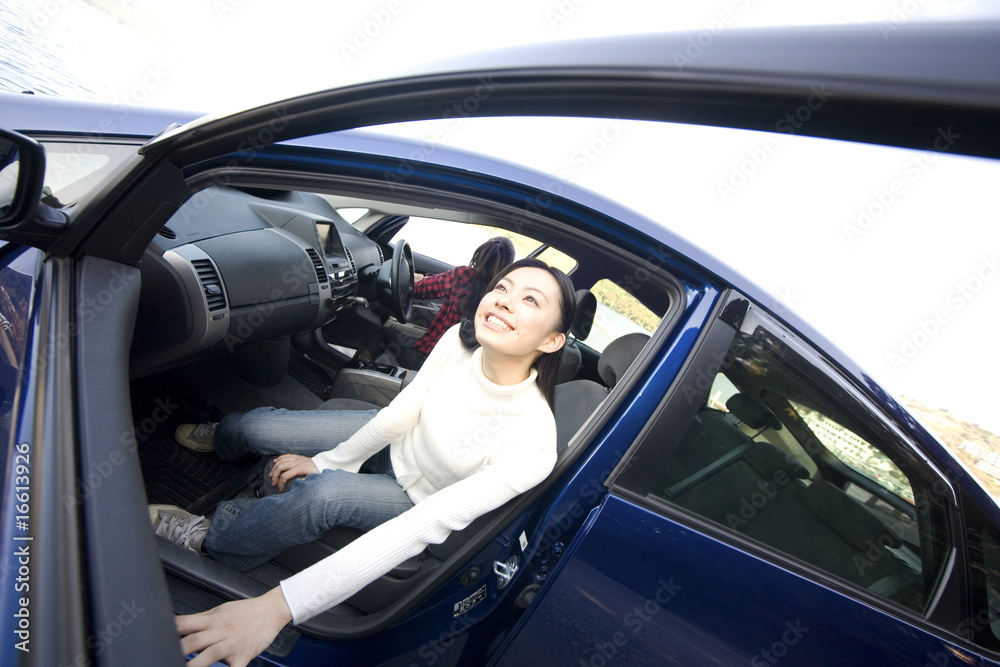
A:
(488, 259)
(546, 364)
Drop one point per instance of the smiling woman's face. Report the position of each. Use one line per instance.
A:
(519, 316)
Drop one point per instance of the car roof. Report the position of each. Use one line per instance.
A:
(35, 113)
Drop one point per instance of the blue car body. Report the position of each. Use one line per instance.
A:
(614, 565)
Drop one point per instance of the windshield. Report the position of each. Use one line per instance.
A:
(74, 169)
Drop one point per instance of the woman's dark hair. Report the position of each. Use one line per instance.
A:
(546, 364)
(487, 260)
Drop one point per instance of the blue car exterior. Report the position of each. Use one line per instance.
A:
(609, 572)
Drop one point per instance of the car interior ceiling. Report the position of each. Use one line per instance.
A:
(295, 369)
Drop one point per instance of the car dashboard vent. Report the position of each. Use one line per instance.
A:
(350, 258)
(211, 284)
(317, 265)
(167, 233)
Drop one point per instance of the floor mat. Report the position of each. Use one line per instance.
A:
(174, 475)
(196, 482)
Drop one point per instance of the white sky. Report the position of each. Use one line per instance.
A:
(784, 228)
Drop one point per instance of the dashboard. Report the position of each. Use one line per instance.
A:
(233, 267)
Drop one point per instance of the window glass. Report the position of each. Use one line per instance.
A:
(454, 242)
(618, 313)
(855, 452)
(352, 215)
(558, 259)
(770, 456)
(73, 169)
(17, 278)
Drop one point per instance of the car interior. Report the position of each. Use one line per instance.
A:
(769, 457)
(260, 296)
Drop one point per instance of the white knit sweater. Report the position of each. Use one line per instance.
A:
(460, 446)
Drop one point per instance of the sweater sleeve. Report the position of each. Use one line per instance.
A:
(511, 471)
(437, 286)
(392, 421)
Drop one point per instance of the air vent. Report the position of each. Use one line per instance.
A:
(381, 259)
(167, 233)
(350, 258)
(211, 284)
(317, 265)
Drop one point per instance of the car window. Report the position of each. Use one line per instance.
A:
(17, 277)
(770, 455)
(454, 243)
(74, 169)
(618, 313)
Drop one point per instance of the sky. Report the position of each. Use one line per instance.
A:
(892, 254)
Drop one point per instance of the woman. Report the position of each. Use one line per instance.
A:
(449, 465)
(461, 288)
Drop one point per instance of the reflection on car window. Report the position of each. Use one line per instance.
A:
(991, 560)
(352, 215)
(855, 452)
(618, 313)
(74, 169)
(770, 457)
(17, 271)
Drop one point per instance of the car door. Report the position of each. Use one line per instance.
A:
(76, 582)
(744, 80)
(798, 524)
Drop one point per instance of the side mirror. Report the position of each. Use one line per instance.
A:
(22, 173)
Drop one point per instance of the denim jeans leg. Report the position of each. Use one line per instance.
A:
(247, 532)
(280, 431)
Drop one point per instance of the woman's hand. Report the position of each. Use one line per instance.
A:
(234, 632)
(289, 466)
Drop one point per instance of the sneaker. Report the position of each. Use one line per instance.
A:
(197, 437)
(179, 526)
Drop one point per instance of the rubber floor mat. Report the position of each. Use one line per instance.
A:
(197, 482)
(174, 475)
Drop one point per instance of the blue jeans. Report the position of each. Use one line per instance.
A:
(247, 532)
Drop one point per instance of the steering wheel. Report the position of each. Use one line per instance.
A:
(395, 282)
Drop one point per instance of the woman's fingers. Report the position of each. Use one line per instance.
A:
(234, 632)
(289, 466)
(188, 623)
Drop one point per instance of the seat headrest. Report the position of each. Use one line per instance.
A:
(586, 307)
(619, 355)
(752, 413)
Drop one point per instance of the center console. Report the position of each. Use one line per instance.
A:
(370, 381)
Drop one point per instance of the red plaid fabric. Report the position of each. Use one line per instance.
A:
(452, 286)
